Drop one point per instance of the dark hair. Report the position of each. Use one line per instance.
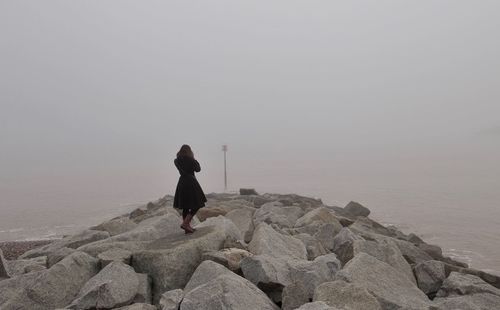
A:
(185, 151)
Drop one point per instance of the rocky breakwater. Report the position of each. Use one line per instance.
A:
(249, 252)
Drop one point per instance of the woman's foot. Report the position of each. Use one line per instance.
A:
(187, 229)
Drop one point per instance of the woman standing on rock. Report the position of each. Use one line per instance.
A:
(189, 196)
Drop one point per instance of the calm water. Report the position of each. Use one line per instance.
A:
(460, 214)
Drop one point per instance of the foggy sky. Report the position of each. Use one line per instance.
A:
(97, 96)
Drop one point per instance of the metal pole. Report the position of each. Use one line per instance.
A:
(224, 148)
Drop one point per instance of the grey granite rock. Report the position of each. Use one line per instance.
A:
(356, 209)
(430, 276)
(171, 300)
(267, 241)
(114, 286)
(345, 295)
(390, 286)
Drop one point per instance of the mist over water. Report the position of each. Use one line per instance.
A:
(394, 105)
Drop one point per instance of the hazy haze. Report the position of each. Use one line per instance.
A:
(330, 98)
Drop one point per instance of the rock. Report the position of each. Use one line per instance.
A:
(317, 305)
(50, 289)
(114, 286)
(22, 266)
(430, 276)
(314, 248)
(343, 244)
(94, 249)
(322, 215)
(275, 213)
(248, 191)
(116, 226)
(269, 242)
(243, 219)
(144, 289)
(73, 242)
(294, 296)
(416, 240)
(491, 279)
(208, 212)
(138, 306)
(151, 229)
(212, 288)
(220, 222)
(411, 253)
(272, 274)
(384, 250)
(345, 295)
(4, 268)
(479, 301)
(433, 250)
(465, 284)
(390, 286)
(171, 300)
(230, 242)
(366, 227)
(58, 255)
(464, 291)
(326, 233)
(311, 274)
(171, 261)
(229, 258)
(356, 209)
(114, 255)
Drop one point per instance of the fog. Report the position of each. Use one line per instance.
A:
(96, 98)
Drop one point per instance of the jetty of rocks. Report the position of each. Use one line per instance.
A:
(249, 252)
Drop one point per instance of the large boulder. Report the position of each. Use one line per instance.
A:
(144, 290)
(171, 300)
(4, 268)
(50, 289)
(464, 291)
(243, 219)
(151, 229)
(114, 255)
(314, 248)
(267, 241)
(223, 223)
(208, 212)
(430, 276)
(384, 250)
(212, 288)
(356, 209)
(73, 242)
(322, 215)
(172, 260)
(465, 284)
(411, 253)
(248, 191)
(326, 234)
(390, 286)
(116, 226)
(58, 255)
(138, 306)
(294, 296)
(345, 295)
(343, 244)
(273, 274)
(275, 213)
(114, 286)
(22, 266)
(317, 305)
(228, 257)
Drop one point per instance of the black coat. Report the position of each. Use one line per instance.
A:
(188, 194)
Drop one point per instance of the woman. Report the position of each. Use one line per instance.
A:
(189, 196)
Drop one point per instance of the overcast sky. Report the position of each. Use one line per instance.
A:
(97, 96)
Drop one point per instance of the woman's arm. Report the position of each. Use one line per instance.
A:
(196, 166)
